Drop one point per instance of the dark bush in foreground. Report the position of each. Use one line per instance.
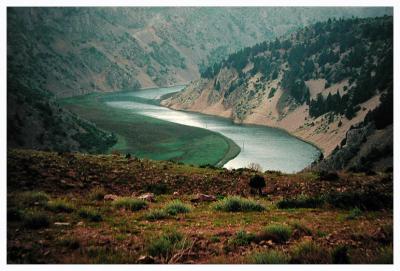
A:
(269, 257)
(300, 202)
(36, 220)
(371, 200)
(238, 204)
(340, 255)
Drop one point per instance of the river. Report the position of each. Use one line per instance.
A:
(271, 148)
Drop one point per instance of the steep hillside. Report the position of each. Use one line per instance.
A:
(318, 83)
(72, 51)
(36, 121)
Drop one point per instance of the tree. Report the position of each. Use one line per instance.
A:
(257, 182)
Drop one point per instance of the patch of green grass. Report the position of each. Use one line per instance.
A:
(214, 239)
(97, 193)
(269, 257)
(129, 203)
(59, 205)
(177, 207)
(300, 202)
(90, 214)
(238, 204)
(156, 214)
(309, 252)
(279, 233)
(166, 244)
(36, 220)
(242, 238)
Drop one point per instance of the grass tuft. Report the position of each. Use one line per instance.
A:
(177, 207)
(130, 203)
(166, 244)
(242, 238)
(97, 193)
(300, 202)
(238, 204)
(309, 253)
(60, 205)
(340, 255)
(156, 215)
(90, 214)
(34, 196)
(36, 220)
(269, 257)
(279, 233)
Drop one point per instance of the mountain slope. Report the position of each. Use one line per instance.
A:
(72, 51)
(318, 83)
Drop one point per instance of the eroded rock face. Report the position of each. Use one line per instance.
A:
(203, 198)
(110, 197)
(147, 197)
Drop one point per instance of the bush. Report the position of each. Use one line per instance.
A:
(269, 257)
(354, 213)
(157, 188)
(279, 233)
(156, 214)
(257, 182)
(59, 205)
(340, 255)
(177, 207)
(328, 175)
(36, 220)
(165, 245)
(97, 193)
(238, 204)
(370, 200)
(242, 238)
(309, 253)
(130, 203)
(90, 213)
(300, 202)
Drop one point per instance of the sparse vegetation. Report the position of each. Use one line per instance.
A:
(36, 220)
(97, 193)
(309, 253)
(269, 257)
(90, 214)
(60, 205)
(130, 204)
(238, 204)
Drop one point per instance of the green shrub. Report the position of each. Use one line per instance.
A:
(300, 202)
(177, 207)
(385, 256)
(242, 238)
(156, 214)
(279, 233)
(309, 253)
(340, 255)
(130, 203)
(36, 220)
(354, 213)
(238, 204)
(269, 257)
(59, 205)
(165, 244)
(370, 200)
(97, 193)
(257, 182)
(90, 213)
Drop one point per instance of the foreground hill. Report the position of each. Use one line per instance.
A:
(330, 84)
(79, 208)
